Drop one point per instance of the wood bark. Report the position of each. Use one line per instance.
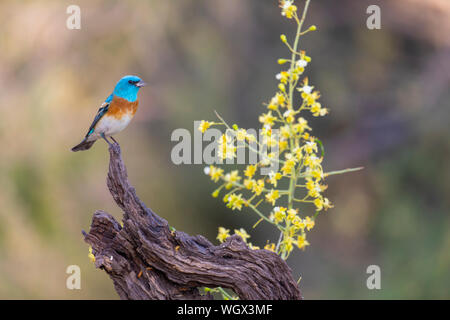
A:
(147, 260)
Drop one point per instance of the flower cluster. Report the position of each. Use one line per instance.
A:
(287, 141)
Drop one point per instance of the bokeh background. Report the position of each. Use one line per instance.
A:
(388, 91)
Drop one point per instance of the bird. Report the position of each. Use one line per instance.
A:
(115, 113)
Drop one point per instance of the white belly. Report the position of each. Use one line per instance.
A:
(110, 125)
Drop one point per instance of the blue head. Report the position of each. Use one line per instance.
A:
(128, 87)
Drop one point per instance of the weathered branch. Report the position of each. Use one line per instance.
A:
(146, 260)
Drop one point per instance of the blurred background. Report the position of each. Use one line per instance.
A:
(387, 90)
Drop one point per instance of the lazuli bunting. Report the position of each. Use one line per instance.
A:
(115, 113)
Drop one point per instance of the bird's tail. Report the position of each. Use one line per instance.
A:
(84, 145)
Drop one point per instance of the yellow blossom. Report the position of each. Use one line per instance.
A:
(272, 196)
(270, 247)
(313, 187)
(288, 9)
(322, 203)
(286, 131)
(231, 178)
(249, 183)
(291, 214)
(91, 255)
(242, 233)
(250, 137)
(214, 172)
(302, 125)
(241, 134)
(253, 247)
(204, 125)
(235, 201)
(223, 234)
(288, 166)
(258, 187)
(278, 214)
(298, 223)
(226, 148)
(283, 77)
(274, 177)
(284, 134)
(312, 161)
(287, 244)
(270, 141)
(250, 171)
(309, 223)
(267, 118)
(310, 147)
(289, 116)
(283, 145)
(302, 242)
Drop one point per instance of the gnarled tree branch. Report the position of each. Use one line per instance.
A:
(146, 260)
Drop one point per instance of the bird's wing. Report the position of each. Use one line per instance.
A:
(100, 113)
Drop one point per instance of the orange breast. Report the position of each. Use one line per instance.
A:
(120, 107)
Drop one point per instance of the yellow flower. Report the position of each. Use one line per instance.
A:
(226, 148)
(91, 255)
(316, 173)
(317, 110)
(312, 161)
(298, 223)
(278, 215)
(313, 187)
(306, 88)
(250, 137)
(241, 134)
(283, 145)
(302, 125)
(223, 234)
(250, 171)
(249, 183)
(285, 131)
(272, 196)
(214, 172)
(309, 223)
(289, 115)
(231, 177)
(297, 153)
(267, 118)
(288, 9)
(310, 147)
(288, 166)
(270, 247)
(292, 213)
(204, 125)
(274, 177)
(280, 99)
(242, 233)
(283, 77)
(251, 246)
(322, 204)
(310, 98)
(258, 187)
(270, 141)
(304, 57)
(302, 242)
(287, 244)
(235, 201)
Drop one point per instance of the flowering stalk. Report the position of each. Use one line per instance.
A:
(294, 149)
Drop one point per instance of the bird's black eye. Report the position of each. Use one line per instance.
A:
(132, 82)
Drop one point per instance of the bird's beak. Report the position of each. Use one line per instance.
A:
(140, 84)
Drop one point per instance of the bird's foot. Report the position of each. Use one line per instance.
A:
(115, 141)
(107, 141)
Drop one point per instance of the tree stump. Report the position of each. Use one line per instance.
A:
(146, 260)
